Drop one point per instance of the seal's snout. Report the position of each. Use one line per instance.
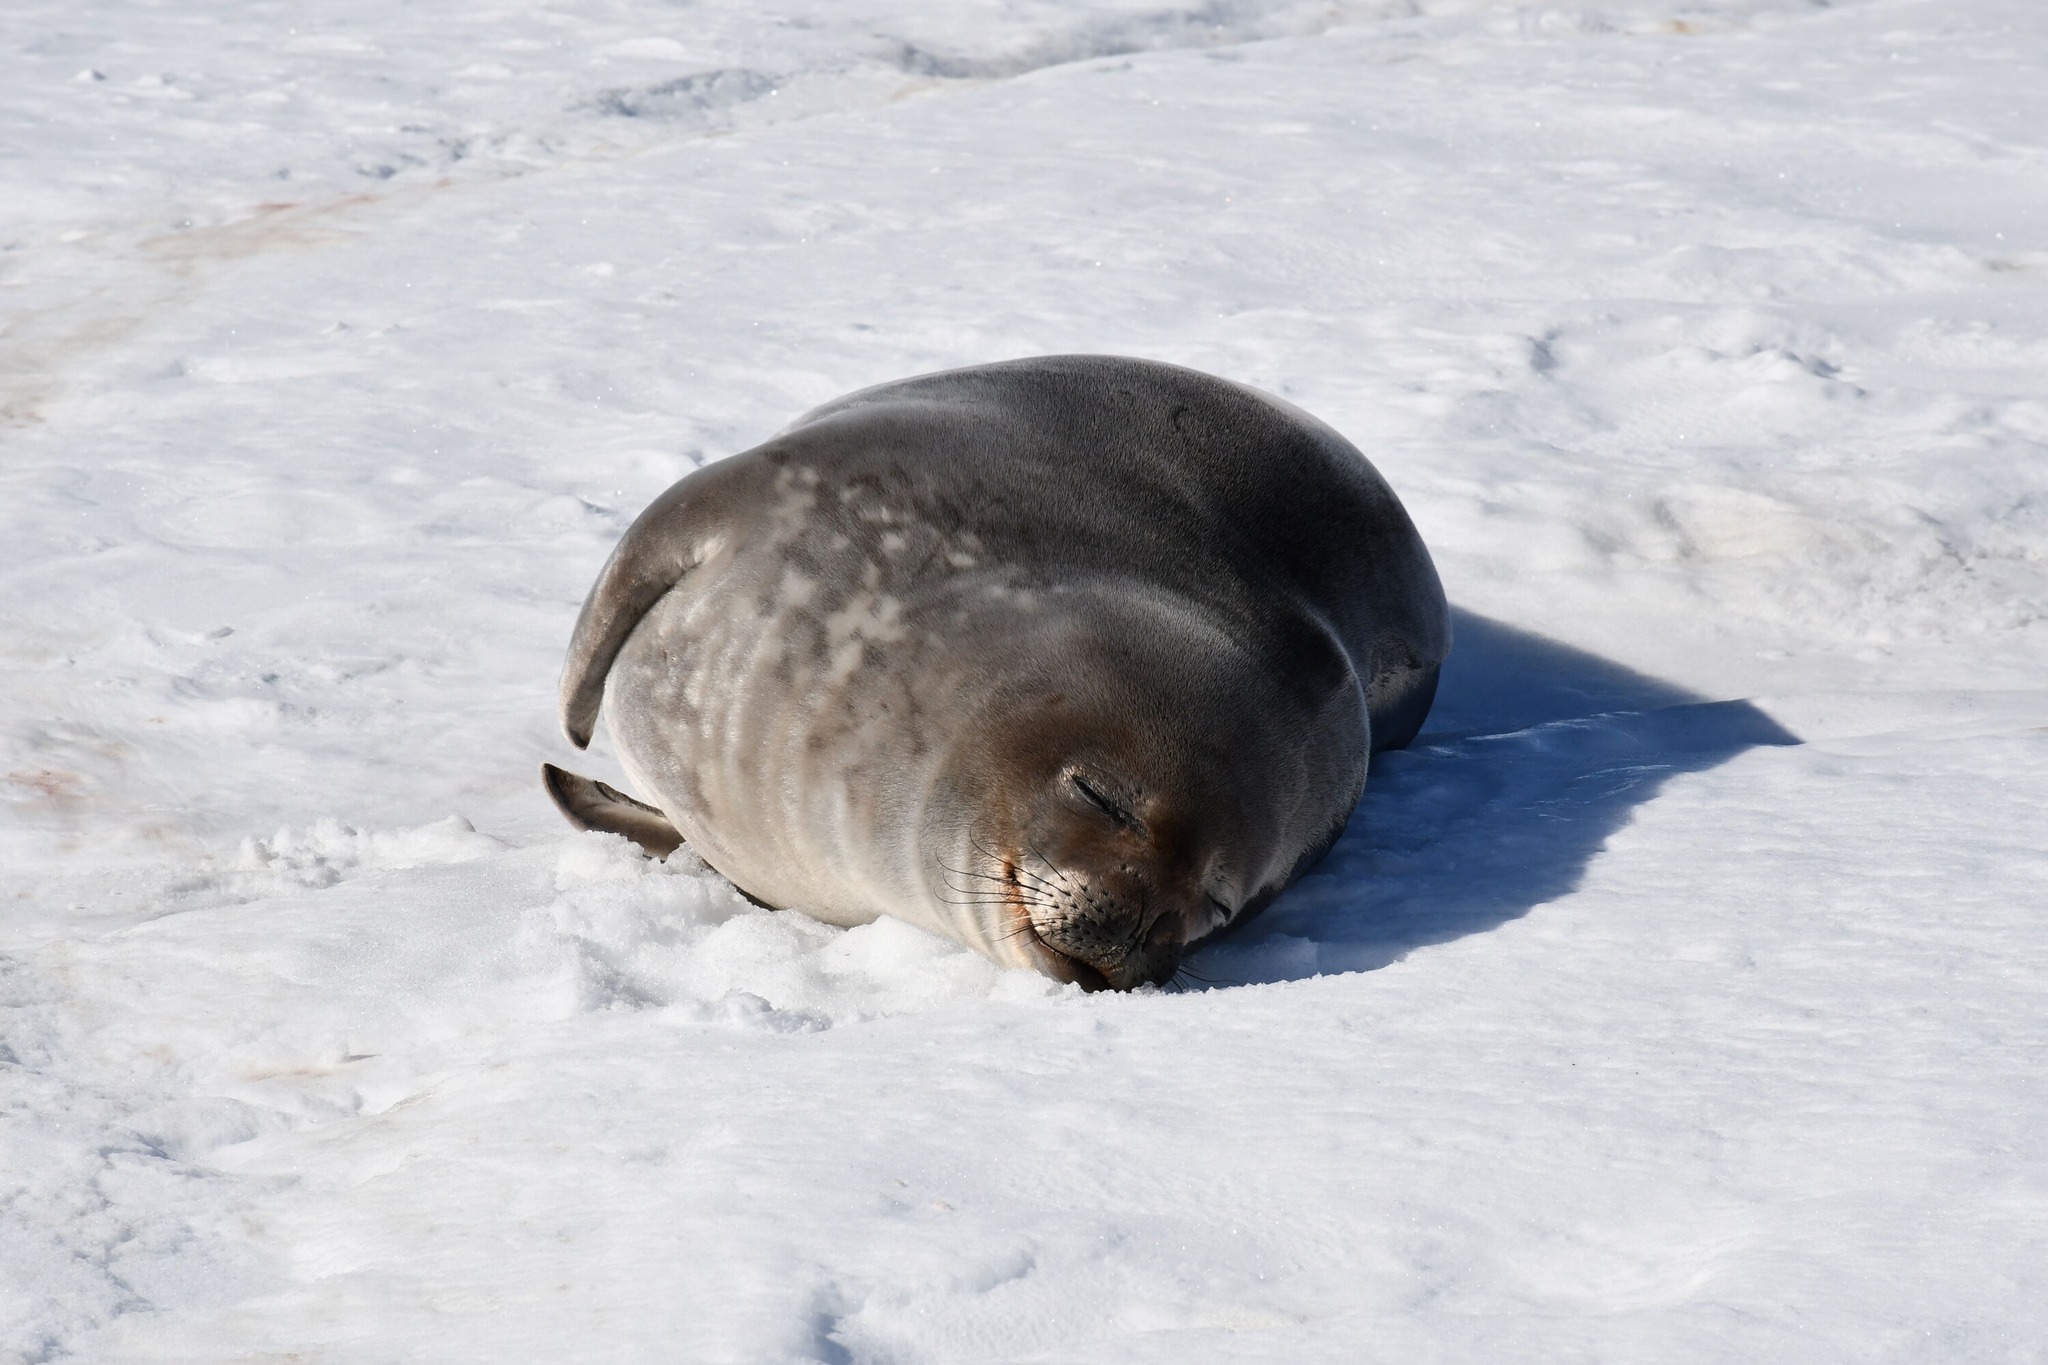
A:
(1104, 943)
(1092, 956)
(1095, 894)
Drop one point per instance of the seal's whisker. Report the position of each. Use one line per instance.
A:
(1057, 871)
(972, 875)
(996, 892)
(960, 899)
(1036, 883)
(1023, 882)
(970, 901)
(1016, 875)
(974, 872)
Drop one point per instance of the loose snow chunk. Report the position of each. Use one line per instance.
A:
(329, 850)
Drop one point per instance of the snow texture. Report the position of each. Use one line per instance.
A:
(1678, 997)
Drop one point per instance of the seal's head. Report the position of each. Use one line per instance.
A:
(1109, 876)
(1103, 819)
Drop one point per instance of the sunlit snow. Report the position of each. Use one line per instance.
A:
(1679, 997)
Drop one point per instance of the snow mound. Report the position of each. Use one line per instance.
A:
(330, 850)
(623, 931)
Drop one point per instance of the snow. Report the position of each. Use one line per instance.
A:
(1676, 998)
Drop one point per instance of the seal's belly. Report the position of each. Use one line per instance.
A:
(763, 722)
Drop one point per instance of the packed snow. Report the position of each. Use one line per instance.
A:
(1678, 997)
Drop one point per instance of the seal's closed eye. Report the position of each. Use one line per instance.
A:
(1102, 803)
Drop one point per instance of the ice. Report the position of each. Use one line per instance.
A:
(1676, 997)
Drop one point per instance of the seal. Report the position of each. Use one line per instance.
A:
(1075, 659)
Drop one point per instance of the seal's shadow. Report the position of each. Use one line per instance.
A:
(1534, 754)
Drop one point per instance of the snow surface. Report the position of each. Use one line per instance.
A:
(1708, 344)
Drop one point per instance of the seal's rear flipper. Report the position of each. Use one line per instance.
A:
(590, 804)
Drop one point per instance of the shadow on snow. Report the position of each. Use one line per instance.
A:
(1534, 754)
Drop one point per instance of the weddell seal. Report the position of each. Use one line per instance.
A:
(1075, 660)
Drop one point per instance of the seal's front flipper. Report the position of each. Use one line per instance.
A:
(590, 804)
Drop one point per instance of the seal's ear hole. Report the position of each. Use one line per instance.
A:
(1097, 798)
